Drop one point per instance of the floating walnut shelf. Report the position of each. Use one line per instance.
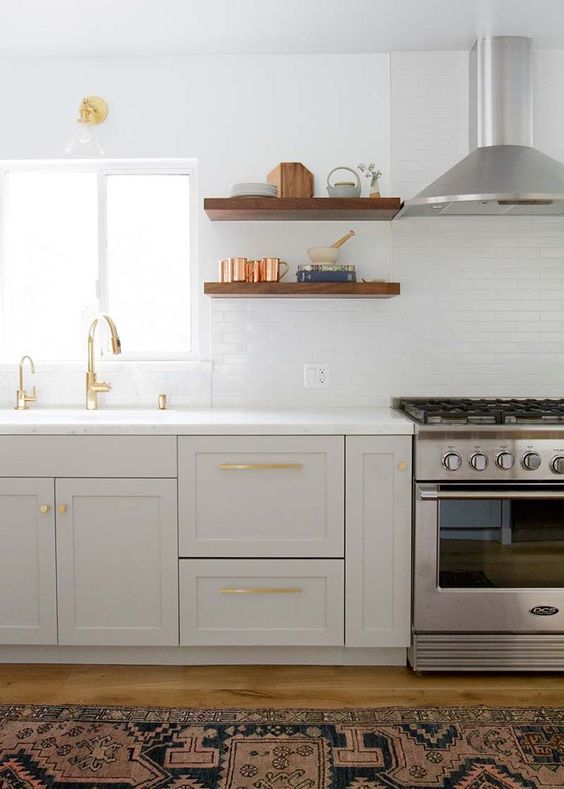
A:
(304, 290)
(240, 209)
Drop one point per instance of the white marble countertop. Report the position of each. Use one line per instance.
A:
(144, 421)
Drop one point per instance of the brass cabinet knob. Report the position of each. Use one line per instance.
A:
(62, 508)
(44, 508)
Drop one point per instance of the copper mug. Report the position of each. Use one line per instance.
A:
(270, 269)
(253, 270)
(225, 270)
(238, 269)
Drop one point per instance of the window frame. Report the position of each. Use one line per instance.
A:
(103, 168)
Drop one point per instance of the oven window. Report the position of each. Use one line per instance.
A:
(494, 543)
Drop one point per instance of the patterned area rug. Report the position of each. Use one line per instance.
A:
(462, 748)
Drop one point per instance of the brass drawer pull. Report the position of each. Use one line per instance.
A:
(262, 590)
(251, 466)
(62, 508)
(44, 508)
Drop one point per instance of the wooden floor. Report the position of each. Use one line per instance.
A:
(269, 686)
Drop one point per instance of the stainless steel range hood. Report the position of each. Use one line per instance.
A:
(504, 174)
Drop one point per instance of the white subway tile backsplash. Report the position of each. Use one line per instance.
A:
(481, 313)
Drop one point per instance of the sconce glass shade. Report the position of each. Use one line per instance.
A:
(84, 142)
(93, 110)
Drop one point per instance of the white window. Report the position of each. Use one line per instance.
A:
(81, 238)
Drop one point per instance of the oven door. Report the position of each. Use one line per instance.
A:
(489, 558)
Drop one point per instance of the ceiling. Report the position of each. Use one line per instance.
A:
(30, 28)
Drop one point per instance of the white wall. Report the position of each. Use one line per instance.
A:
(481, 310)
(239, 116)
(482, 304)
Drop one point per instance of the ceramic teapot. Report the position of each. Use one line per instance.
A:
(344, 188)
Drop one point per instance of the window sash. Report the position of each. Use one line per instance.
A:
(104, 168)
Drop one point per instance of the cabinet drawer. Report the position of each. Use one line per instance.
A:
(264, 496)
(283, 602)
(87, 456)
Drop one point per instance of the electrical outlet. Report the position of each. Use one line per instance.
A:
(316, 375)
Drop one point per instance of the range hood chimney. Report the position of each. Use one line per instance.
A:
(503, 174)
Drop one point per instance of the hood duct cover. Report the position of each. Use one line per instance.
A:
(504, 174)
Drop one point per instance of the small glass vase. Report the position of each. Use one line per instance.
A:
(375, 189)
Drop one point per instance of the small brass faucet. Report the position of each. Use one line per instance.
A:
(22, 397)
(94, 387)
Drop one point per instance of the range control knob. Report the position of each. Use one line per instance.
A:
(452, 461)
(531, 461)
(505, 460)
(558, 464)
(479, 461)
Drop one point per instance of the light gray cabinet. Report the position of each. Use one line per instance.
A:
(378, 563)
(117, 560)
(261, 496)
(261, 535)
(87, 456)
(28, 612)
(251, 602)
(90, 541)
(88, 560)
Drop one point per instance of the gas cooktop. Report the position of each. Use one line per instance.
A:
(484, 411)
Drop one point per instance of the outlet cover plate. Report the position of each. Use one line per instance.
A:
(316, 375)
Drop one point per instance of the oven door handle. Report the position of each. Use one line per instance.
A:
(432, 493)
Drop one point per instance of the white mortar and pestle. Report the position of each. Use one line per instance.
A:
(328, 255)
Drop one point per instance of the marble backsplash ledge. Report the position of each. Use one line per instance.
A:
(133, 384)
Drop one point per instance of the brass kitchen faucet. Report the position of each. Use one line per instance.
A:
(22, 397)
(94, 387)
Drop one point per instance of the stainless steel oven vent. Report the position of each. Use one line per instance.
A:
(487, 652)
(504, 173)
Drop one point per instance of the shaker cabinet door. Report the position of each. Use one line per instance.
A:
(117, 561)
(378, 564)
(28, 613)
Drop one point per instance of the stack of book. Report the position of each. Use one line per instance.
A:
(326, 272)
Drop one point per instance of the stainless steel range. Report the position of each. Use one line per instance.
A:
(488, 590)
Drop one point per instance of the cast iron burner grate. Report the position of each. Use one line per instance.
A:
(484, 411)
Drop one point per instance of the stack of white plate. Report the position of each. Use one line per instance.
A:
(253, 190)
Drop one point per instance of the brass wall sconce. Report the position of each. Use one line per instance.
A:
(93, 111)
